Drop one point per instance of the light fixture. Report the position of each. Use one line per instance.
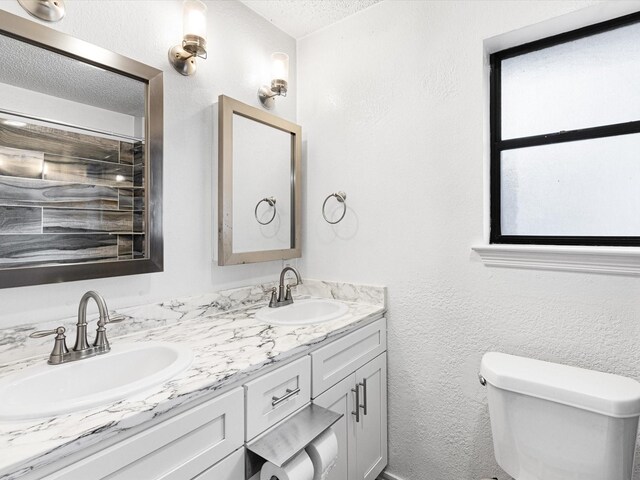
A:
(47, 10)
(14, 123)
(279, 79)
(194, 40)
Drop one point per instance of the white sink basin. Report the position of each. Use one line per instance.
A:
(303, 312)
(44, 390)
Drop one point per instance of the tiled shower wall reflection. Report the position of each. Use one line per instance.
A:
(67, 197)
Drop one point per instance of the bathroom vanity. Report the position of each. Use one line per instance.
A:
(247, 377)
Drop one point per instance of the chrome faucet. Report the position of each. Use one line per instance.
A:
(282, 298)
(81, 349)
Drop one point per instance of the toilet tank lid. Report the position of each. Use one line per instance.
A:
(605, 393)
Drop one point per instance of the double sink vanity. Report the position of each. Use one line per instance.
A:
(191, 385)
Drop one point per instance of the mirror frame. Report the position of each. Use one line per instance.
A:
(227, 107)
(40, 36)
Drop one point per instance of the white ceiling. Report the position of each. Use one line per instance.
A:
(302, 17)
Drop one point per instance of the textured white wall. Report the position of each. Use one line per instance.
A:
(392, 105)
(240, 44)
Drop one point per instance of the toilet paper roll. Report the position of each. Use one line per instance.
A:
(323, 452)
(298, 468)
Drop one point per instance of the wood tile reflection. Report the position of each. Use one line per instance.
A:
(21, 250)
(139, 199)
(126, 199)
(126, 153)
(139, 246)
(78, 170)
(21, 163)
(18, 191)
(20, 219)
(73, 221)
(59, 142)
(125, 247)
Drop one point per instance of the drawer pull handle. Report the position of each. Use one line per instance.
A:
(290, 393)
(357, 412)
(364, 391)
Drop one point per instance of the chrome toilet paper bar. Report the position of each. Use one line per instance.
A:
(289, 438)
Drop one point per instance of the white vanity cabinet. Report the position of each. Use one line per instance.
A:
(362, 432)
(207, 441)
(204, 439)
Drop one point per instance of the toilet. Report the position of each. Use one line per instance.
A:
(556, 422)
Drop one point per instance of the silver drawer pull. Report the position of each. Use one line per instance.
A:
(290, 393)
(357, 411)
(364, 389)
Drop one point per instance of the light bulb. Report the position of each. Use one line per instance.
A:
(280, 66)
(194, 19)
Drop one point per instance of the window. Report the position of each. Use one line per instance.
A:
(565, 138)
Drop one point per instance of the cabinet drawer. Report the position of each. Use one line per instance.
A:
(231, 468)
(178, 448)
(272, 397)
(334, 362)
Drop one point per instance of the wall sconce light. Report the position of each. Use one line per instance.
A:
(279, 79)
(194, 41)
(47, 10)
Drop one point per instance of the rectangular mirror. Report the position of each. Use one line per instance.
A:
(259, 188)
(80, 159)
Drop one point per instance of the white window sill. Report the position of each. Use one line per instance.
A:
(608, 260)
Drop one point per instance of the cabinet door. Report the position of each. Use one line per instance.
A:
(231, 468)
(174, 449)
(344, 356)
(341, 399)
(371, 444)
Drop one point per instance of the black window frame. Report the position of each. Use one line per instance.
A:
(498, 145)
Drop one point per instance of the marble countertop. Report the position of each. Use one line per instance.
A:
(229, 347)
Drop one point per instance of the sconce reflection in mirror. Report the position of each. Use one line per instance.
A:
(47, 10)
(341, 197)
(194, 41)
(271, 202)
(279, 79)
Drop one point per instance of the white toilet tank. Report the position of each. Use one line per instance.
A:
(555, 422)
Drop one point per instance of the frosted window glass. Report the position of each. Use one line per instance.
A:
(586, 188)
(584, 83)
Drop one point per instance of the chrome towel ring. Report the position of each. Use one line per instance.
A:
(341, 197)
(272, 203)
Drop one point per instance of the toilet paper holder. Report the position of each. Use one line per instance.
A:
(287, 439)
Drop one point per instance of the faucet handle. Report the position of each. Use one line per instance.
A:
(111, 319)
(101, 334)
(273, 302)
(45, 333)
(117, 318)
(59, 347)
(287, 295)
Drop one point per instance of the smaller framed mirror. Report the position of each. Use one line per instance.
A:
(259, 185)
